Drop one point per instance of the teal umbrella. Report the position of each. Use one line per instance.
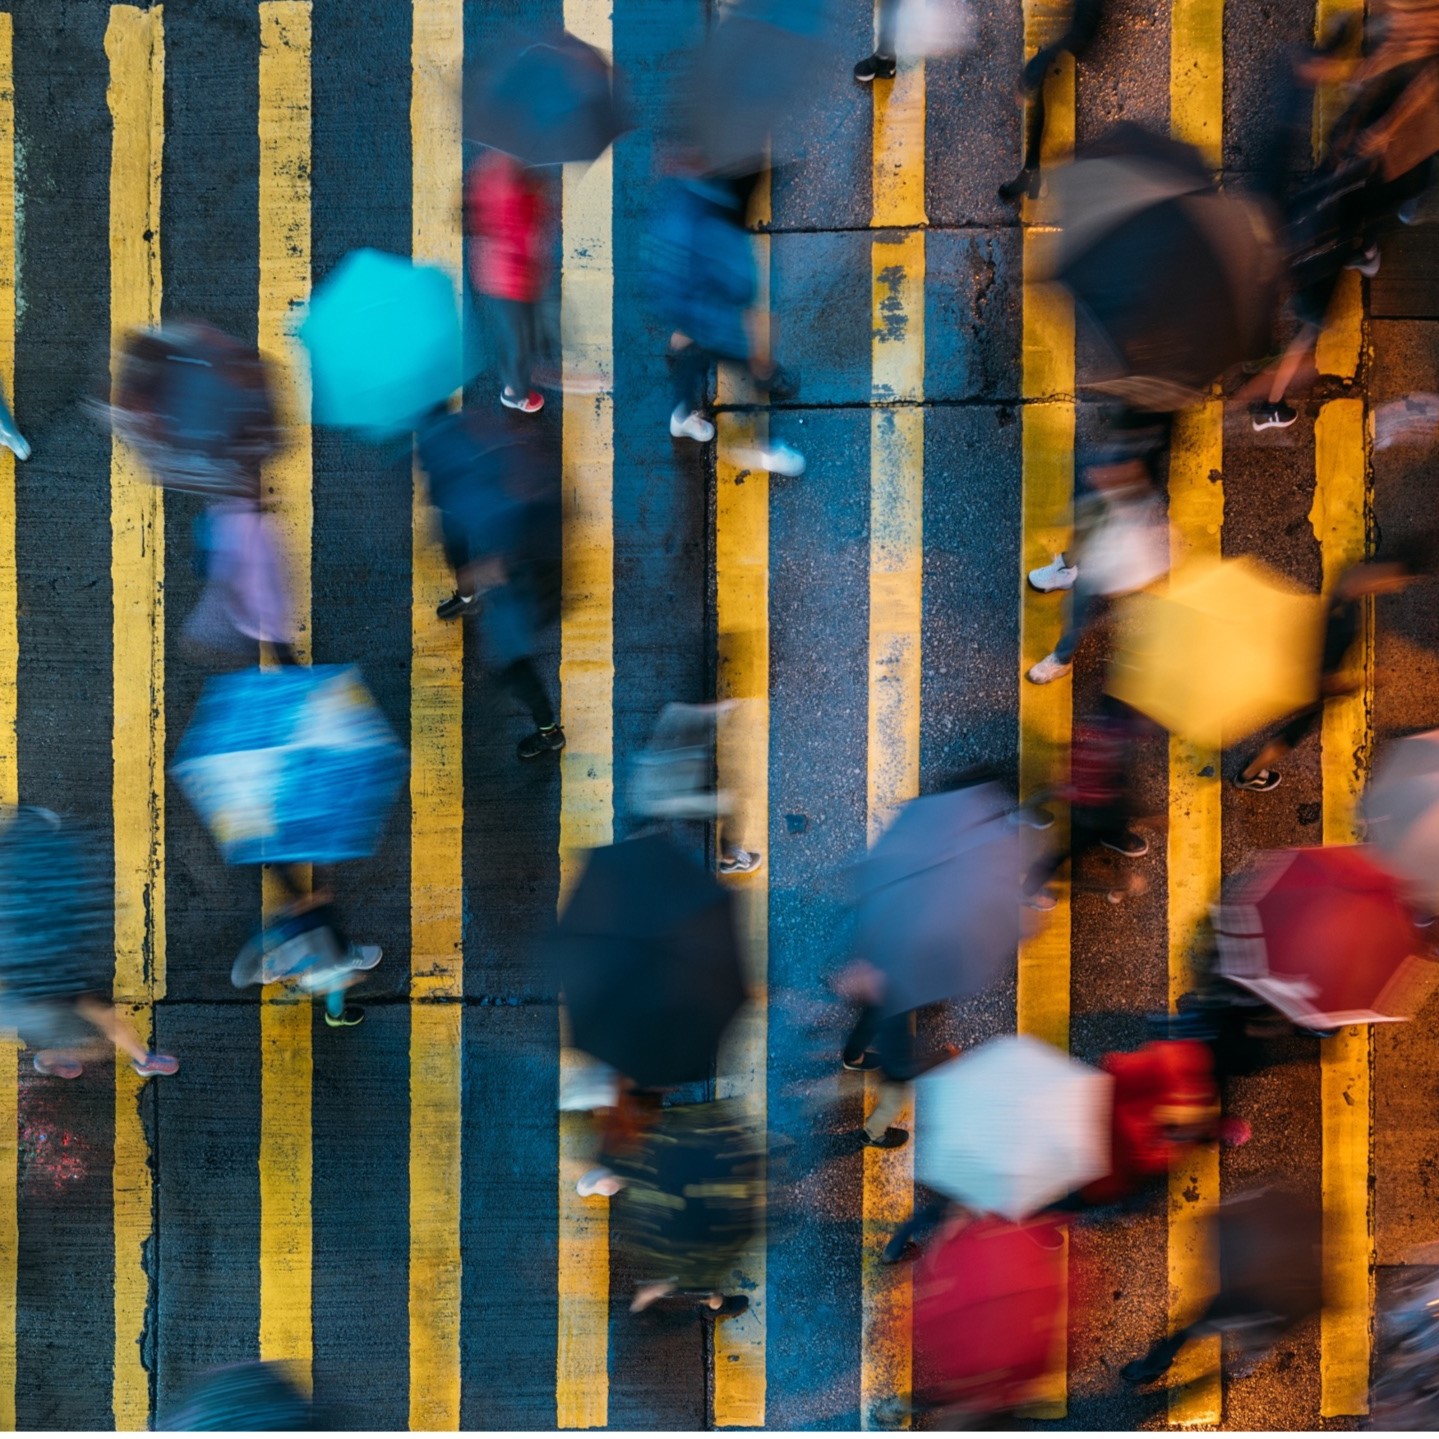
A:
(385, 343)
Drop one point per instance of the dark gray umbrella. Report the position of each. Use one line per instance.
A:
(553, 102)
(754, 85)
(939, 896)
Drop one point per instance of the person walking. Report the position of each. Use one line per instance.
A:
(305, 945)
(1342, 623)
(915, 27)
(497, 495)
(1121, 544)
(511, 236)
(705, 285)
(1101, 762)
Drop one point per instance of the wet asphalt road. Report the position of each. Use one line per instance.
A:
(204, 1124)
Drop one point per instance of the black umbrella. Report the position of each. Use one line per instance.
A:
(1177, 277)
(649, 962)
(555, 101)
(754, 82)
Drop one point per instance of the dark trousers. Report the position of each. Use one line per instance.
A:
(522, 680)
(1083, 26)
(689, 377)
(892, 1041)
(1088, 829)
(519, 320)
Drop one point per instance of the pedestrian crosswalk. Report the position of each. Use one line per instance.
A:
(439, 1270)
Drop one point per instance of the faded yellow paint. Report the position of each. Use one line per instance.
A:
(286, 1160)
(896, 571)
(899, 127)
(135, 47)
(437, 814)
(587, 676)
(1196, 517)
(1340, 520)
(1046, 497)
(1196, 76)
(9, 699)
(742, 675)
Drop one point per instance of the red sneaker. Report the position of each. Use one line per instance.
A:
(1234, 1132)
(156, 1064)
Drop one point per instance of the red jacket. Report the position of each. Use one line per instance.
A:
(1169, 1081)
(509, 229)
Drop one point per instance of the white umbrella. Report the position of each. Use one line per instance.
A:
(1012, 1126)
(1401, 812)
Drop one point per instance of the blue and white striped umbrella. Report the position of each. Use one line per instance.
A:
(291, 766)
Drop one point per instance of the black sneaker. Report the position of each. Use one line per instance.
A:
(1265, 416)
(867, 1061)
(348, 1018)
(1024, 183)
(457, 605)
(875, 67)
(732, 1305)
(548, 739)
(783, 384)
(892, 1138)
(1129, 844)
(1261, 783)
(899, 1249)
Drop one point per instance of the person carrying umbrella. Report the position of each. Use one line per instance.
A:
(1099, 792)
(1343, 620)
(692, 1199)
(56, 964)
(498, 502)
(1271, 1278)
(702, 263)
(511, 227)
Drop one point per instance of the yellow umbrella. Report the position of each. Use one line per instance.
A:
(1227, 647)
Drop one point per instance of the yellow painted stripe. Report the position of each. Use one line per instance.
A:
(134, 43)
(1196, 76)
(1047, 492)
(286, 1241)
(436, 789)
(1196, 514)
(896, 576)
(9, 747)
(1340, 521)
(587, 674)
(899, 126)
(742, 674)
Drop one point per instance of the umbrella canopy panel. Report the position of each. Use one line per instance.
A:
(1324, 936)
(289, 766)
(1012, 1126)
(940, 896)
(554, 102)
(647, 956)
(385, 343)
(1225, 648)
(1400, 810)
(989, 1313)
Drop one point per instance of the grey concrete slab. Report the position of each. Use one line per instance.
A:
(973, 314)
(1125, 75)
(207, 1193)
(65, 1265)
(821, 291)
(819, 602)
(509, 1155)
(360, 1187)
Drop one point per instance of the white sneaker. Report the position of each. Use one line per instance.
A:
(365, 956)
(740, 861)
(691, 425)
(1048, 670)
(1056, 575)
(776, 459)
(12, 439)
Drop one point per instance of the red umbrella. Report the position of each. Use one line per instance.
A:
(988, 1313)
(1324, 936)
